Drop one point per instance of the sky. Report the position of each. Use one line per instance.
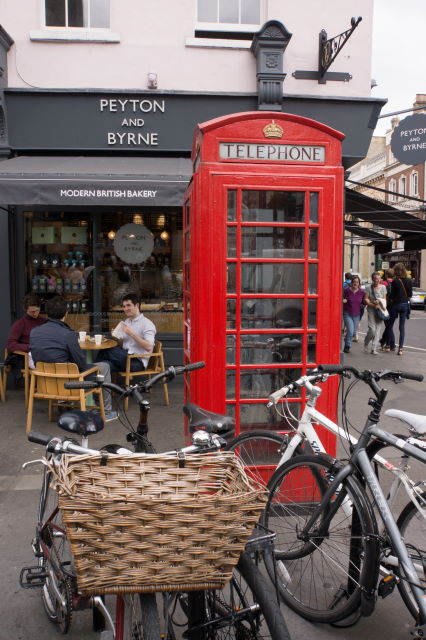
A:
(399, 55)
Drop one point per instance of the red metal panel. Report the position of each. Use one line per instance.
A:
(261, 279)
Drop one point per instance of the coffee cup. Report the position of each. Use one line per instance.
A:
(98, 338)
(82, 336)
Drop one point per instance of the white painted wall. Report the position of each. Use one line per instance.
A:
(158, 35)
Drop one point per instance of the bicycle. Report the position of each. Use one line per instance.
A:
(246, 606)
(260, 448)
(327, 531)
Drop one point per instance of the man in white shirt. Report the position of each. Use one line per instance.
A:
(137, 336)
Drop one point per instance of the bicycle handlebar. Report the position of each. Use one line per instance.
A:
(338, 369)
(55, 444)
(365, 375)
(169, 373)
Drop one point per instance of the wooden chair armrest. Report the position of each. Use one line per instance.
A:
(88, 372)
(21, 353)
(142, 355)
(77, 375)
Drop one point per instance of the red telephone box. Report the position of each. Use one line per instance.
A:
(263, 242)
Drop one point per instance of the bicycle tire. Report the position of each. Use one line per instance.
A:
(57, 560)
(247, 608)
(412, 527)
(258, 448)
(323, 576)
(138, 618)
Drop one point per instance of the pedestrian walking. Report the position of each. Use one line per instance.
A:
(401, 290)
(353, 297)
(375, 300)
(384, 340)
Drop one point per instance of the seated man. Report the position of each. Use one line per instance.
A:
(138, 336)
(55, 341)
(19, 335)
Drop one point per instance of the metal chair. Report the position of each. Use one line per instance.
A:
(47, 383)
(155, 365)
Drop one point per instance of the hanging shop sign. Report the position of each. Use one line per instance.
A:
(408, 142)
(133, 243)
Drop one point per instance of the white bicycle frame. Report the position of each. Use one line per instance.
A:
(306, 431)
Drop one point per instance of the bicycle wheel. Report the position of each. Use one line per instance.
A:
(137, 617)
(56, 559)
(258, 448)
(246, 609)
(321, 575)
(412, 527)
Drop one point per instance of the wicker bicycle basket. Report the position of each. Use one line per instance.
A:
(143, 523)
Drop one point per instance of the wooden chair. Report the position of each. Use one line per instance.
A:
(155, 365)
(47, 383)
(25, 372)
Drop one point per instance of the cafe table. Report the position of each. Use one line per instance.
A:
(89, 346)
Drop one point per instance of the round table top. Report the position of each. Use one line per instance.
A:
(88, 345)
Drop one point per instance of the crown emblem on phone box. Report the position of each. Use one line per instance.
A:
(273, 130)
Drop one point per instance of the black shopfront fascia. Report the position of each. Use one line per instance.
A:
(97, 150)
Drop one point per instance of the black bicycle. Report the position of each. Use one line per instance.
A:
(245, 609)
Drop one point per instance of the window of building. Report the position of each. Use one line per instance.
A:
(414, 184)
(228, 19)
(402, 186)
(89, 14)
(227, 12)
(75, 20)
(392, 187)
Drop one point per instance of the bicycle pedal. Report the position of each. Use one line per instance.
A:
(32, 577)
(387, 585)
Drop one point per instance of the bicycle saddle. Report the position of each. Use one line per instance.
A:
(84, 423)
(414, 420)
(207, 421)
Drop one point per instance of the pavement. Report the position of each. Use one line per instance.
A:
(21, 613)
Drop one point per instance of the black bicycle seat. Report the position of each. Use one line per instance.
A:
(207, 421)
(84, 423)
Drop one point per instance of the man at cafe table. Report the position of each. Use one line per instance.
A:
(136, 334)
(55, 341)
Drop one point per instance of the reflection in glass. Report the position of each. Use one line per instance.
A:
(273, 242)
(187, 308)
(260, 383)
(272, 278)
(187, 279)
(313, 207)
(230, 349)
(228, 11)
(250, 12)
(231, 310)
(230, 384)
(312, 348)
(265, 313)
(232, 205)
(273, 206)
(313, 270)
(258, 416)
(270, 348)
(230, 410)
(312, 314)
(231, 272)
(232, 242)
(313, 243)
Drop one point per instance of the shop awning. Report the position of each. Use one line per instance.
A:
(94, 180)
(365, 232)
(383, 215)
